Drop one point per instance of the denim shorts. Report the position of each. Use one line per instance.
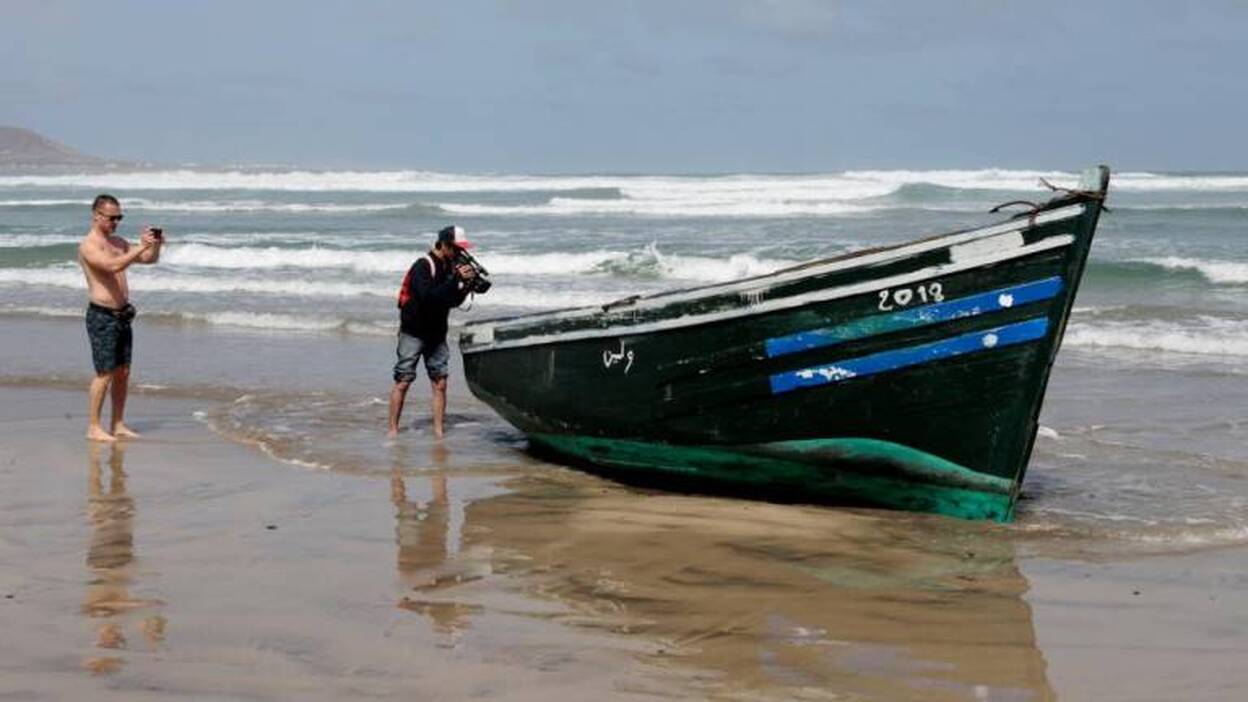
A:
(437, 359)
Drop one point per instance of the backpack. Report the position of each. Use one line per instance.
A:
(405, 290)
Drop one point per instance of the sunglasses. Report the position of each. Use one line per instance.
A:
(113, 218)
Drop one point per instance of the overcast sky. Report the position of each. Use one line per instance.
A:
(620, 86)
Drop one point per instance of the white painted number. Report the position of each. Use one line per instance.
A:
(893, 298)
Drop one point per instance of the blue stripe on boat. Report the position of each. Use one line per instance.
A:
(1008, 335)
(974, 305)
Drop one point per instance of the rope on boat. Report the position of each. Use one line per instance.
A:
(1095, 195)
(1034, 208)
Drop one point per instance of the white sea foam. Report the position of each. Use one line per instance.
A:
(374, 261)
(177, 239)
(983, 179)
(647, 262)
(1204, 335)
(155, 281)
(549, 263)
(1048, 433)
(540, 298)
(70, 277)
(22, 241)
(262, 258)
(1095, 310)
(251, 320)
(219, 206)
(42, 203)
(41, 311)
(1218, 272)
(309, 181)
(287, 322)
(744, 195)
(1220, 536)
(842, 185)
(1184, 183)
(711, 270)
(1001, 179)
(690, 207)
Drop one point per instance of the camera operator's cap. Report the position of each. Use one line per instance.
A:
(454, 235)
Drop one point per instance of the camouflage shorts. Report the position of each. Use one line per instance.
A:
(110, 335)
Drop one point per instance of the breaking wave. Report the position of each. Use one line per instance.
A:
(256, 258)
(220, 206)
(664, 208)
(22, 241)
(1217, 272)
(68, 276)
(522, 296)
(1202, 335)
(647, 263)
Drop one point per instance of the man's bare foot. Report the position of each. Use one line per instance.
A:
(121, 431)
(98, 434)
(392, 433)
(439, 434)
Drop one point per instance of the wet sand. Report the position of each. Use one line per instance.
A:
(188, 566)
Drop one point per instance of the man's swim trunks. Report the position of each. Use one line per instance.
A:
(110, 335)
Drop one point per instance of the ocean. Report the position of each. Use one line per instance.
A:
(273, 305)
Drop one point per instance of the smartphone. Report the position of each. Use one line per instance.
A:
(158, 232)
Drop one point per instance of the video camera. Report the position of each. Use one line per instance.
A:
(481, 283)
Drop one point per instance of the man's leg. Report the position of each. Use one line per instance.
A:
(121, 388)
(95, 404)
(398, 394)
(439, 405)
(437, 364)
(408, 353)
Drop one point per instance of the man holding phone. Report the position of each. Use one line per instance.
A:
(104, 258)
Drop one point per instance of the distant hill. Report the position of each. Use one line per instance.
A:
(22, 147)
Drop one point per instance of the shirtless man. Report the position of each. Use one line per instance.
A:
(104, 258)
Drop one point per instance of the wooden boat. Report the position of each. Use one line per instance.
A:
(908, 377)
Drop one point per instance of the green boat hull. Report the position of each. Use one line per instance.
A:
(867, 471)
(910, 377)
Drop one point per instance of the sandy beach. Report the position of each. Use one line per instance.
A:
(981, 259)
(188, 566)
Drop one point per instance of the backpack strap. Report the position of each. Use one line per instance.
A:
(405, 289)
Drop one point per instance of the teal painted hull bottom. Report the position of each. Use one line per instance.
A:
(866, 471)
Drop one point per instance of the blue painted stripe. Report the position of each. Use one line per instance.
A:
(974, 305)
(983, 340)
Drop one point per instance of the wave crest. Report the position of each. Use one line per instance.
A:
(1203, 335)
(1217, 272)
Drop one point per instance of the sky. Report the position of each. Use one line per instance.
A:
(662, 86)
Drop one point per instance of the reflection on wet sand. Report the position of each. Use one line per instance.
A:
(427, 556)
(778, 600)
(110, 558)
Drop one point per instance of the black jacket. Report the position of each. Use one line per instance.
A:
(432, 294)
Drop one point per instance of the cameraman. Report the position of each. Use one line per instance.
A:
(433, 285)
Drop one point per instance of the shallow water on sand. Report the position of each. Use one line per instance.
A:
(353, 566)
(180, 559)
(1138, 458)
